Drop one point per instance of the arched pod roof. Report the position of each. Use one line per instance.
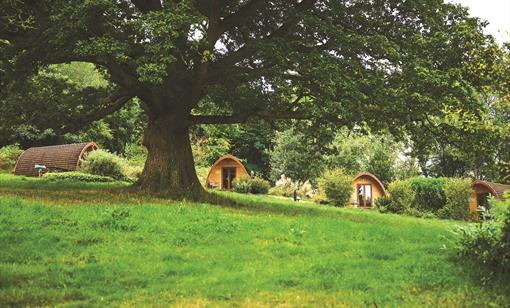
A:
(496, 189)
(224, 157)
(373, 177)
(65, 157)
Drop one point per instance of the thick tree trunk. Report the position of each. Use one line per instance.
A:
(170, 169)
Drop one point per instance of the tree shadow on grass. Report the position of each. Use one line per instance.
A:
(69, 193)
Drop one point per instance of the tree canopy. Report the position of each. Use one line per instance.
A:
(398, 65)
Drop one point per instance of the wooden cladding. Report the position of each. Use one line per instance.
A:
(65, 157)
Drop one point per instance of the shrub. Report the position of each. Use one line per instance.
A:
(131, 170)
(401, 196)
(458, 193)
(135, 152)
(382, 203)
(78, 177)
(251, 185)
(487, 244)
(259, 186)
(336, 187)
(429, 193)
(285, 187)
(8, 157)
(101, 162)
(242, 185)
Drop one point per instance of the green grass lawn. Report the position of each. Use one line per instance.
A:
(95, 245)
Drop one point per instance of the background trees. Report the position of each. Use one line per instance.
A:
(388, 65)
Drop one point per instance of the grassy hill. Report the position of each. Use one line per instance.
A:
(99, 244)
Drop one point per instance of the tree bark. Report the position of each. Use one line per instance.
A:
(169, 169)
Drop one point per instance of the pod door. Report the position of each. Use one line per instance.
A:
(365, 199)
(228, 175)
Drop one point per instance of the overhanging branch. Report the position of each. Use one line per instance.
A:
(111, 103)
(147, 5)
(243, 117)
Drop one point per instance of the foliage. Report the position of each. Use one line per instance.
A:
(286, 187)
(295, 156)
(77, 177)
(336, 186)
(116, 131)
(382, 164)
(8, 157)
(135, 152)
(486, 245)
(350, 151)
(69, 85)
(103, 163)
(458, 194)
(249, 141)
(429, 193)
(383, 203)
(401, 196)
(407, 167)
(356, 152)
(419, 66)
(251, 185)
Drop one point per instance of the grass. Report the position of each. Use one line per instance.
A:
(99, 244)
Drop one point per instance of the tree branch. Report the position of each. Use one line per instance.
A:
(243, 117)
(244, 51)
(146, 6)
(212, 37)
(238, 17)
(111, 103)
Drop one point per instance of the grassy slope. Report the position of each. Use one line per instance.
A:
(119, 248)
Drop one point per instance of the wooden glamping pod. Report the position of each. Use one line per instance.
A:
(64, 157)
(367, 188)
(480, 194)
(224, 171)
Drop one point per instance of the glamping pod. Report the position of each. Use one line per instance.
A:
(64, 157)
(367, 188)
(224, 171)
(480, 194)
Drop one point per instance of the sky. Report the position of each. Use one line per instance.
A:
(496, 12)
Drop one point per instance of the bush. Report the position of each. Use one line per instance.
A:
(285, 187)
(336, 187)
(401, 196)
(429, 193)
(77, 177)
(103, 163)
(458, 194)
(382, 203)
(486, 245)
(8, 157)
(135, 152)
(251, 185)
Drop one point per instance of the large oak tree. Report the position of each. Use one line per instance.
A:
(392, 63)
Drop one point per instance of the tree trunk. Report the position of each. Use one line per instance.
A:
(170, 169)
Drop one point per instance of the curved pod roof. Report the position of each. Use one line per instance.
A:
(496, 189)
(373, 177)
(224, 157)
(65, 157)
